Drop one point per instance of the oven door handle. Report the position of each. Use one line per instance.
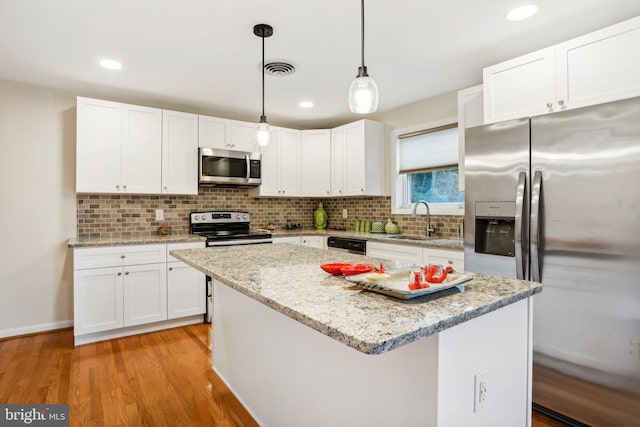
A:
(239, 242)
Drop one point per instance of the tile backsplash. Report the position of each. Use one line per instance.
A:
(115, 215)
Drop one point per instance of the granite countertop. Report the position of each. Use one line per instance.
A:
(288, 279)
(133, 240)
(450, 244)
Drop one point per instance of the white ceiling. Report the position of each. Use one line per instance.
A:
(202, 55)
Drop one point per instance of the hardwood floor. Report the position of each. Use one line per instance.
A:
(157, 379)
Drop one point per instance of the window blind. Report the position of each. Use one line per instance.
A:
(429, 150)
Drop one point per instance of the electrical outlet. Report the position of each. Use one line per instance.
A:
(481, 390)
(344, 214)
(159, 215)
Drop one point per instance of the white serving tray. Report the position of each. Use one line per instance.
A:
(398, 284)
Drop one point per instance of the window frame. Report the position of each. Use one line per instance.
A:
(399, 182)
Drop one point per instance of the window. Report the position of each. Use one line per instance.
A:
(427, 169)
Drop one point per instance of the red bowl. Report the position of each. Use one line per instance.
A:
(357, 269)
(334, 268)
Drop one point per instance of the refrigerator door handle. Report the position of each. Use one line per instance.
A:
(520, 192)
(536, 191)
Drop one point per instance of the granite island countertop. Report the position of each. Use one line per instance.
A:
(288, 279)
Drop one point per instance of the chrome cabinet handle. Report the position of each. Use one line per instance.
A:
(518, 232)
(536, 192)
(248, 162)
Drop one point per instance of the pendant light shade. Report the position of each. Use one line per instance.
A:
(263, 133)
(363, 92)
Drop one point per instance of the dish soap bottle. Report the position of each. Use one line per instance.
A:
(320, 217)
(390, 227)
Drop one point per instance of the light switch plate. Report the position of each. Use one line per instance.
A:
(159, 214)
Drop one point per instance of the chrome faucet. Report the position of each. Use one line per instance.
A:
(414, 212)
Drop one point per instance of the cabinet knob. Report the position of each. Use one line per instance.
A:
(117, 187)
(283, 191)
(340, 191)
(119, 273)
(122, 256)
(126, 273)
(328, 192)
(170, 268)
(561, 102)
(549, 104)
(450, 261)
(165, 187)
(362, 190)
(124, 187)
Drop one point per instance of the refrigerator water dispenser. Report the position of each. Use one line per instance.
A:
(495, 224)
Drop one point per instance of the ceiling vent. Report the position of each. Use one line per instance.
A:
(279, 69)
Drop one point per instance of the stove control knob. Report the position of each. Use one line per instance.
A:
(245, 216)
(196, 217)
(238, 216)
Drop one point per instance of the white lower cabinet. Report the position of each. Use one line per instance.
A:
(123, 290)
(398, 253)
(314, 241)
(294, 240)
(407, 254)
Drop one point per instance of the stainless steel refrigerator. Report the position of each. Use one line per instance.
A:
(556, 199)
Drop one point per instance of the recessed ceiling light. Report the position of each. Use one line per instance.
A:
(522, 12)
(110, 64)
(306, 104)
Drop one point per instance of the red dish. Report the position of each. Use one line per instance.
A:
(334, 268)
(357, 269)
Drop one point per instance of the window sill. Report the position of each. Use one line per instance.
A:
(433, 210)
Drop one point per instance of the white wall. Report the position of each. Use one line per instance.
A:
(37, 217)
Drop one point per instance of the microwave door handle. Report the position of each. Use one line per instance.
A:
(246, 157)
(536, 192)
(518, 232)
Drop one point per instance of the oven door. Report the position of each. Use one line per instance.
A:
(228, 167)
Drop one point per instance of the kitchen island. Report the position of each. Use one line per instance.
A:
(298, 346)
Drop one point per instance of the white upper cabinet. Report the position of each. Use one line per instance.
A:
(281, 164)
(357, 165)
(243, 136)
(214, 132)
(316, 162)
(598, 67)
(520, 87)
(99, 146)
(179, 153)
(119, 148)
(470, 114)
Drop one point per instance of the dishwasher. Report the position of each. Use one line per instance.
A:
(346, 244)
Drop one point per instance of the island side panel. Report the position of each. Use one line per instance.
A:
(496, 348)
(287, 374)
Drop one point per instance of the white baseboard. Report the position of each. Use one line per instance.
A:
(42, 327)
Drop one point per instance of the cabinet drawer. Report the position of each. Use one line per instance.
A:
(187, 245)
(116, 256)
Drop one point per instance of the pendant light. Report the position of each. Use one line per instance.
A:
(263, 134)
(363, 92)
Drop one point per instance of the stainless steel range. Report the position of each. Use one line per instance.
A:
(225, 228)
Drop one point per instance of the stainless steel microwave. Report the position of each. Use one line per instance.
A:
(229, 168)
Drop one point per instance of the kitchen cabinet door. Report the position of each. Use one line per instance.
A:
(145, 293)
(363, 158)
(600, 67)
(445, 258)
(399, 253)
(214, 132)
(316, 163)
(99, 146)
(289, 162)
(470, 114)
(294, 240)
(185, 290)
(179, 153)
(142, 149)
(337, 161)
(314, 241)
(521, 87)
(243, 136)
(97, 300)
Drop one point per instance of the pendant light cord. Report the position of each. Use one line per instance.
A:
(362, 27)
(263, 76)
